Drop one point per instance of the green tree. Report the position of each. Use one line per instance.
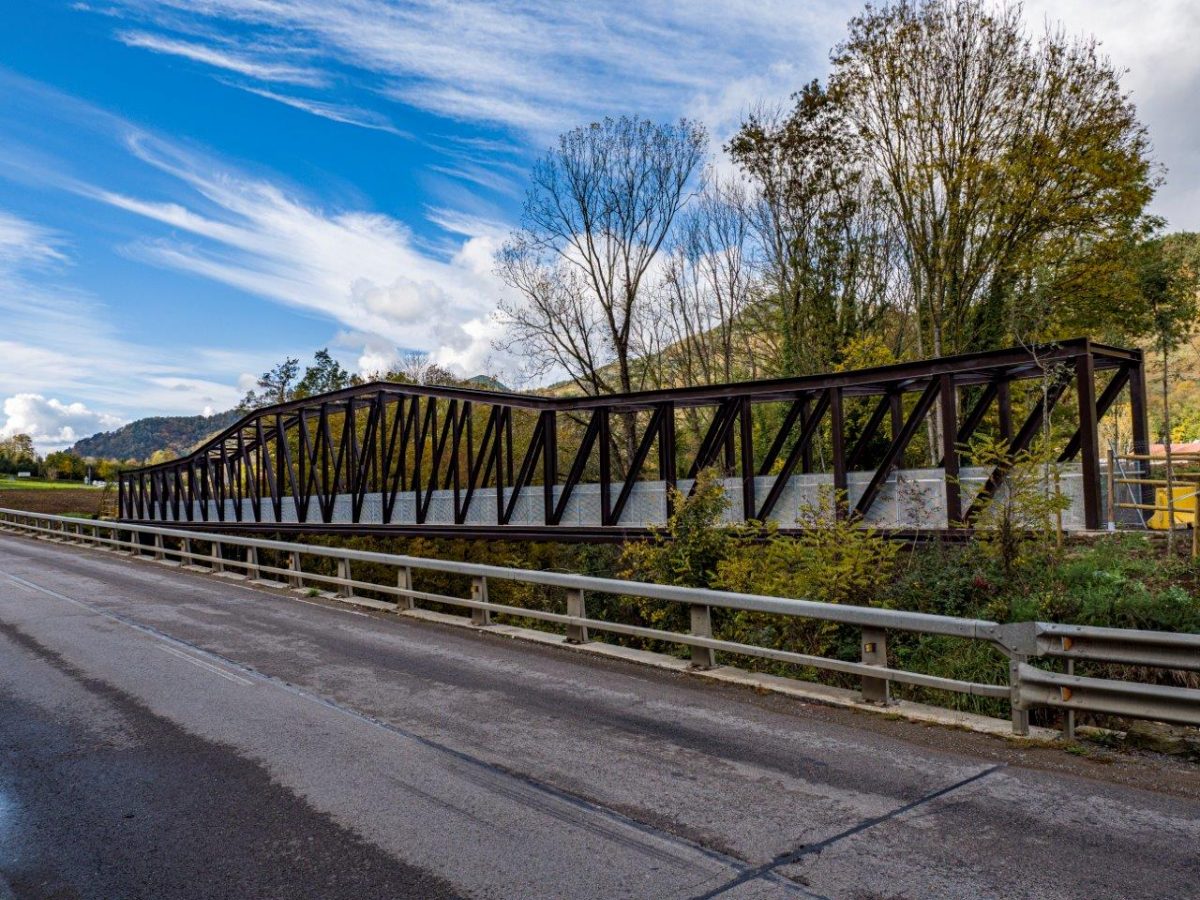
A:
(1001, 157)
(829, 245)
(324, 375)
(274, 386)
(1170, 293)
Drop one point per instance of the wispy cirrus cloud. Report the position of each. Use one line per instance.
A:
(336, 112)
(532, 65)
(258, 65)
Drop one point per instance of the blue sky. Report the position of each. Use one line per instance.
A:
(191, 190)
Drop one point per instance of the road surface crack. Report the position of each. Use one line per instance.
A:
(787, 859)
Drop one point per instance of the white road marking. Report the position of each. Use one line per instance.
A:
(202, 664)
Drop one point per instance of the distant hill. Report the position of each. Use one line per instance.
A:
(139, 439)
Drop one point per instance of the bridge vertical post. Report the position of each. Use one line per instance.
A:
(874, 653)
(948, 405)
(405, 583)
(1020, 710)
(479, 592)
(1089, 445)
(296, 578)
(837, 450)
(576, 606)
(701, 616)
(343, 574)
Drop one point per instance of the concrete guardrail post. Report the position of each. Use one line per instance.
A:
(479, 592)
(1020, 709)
(874, 653)
(158, 547)
(218, 560)
(343, 573)
(405, 583)
(576, 606)
(296, 579)
(702, 657)
(252, 572)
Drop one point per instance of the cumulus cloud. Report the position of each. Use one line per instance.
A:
(51, 423)
(57, 341)
(363, 270)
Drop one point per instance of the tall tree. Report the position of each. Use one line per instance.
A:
(1170, 281)
(998, 154)
(600, 208)
(830, 249)
(698, 324)
(324, 375)
(274, 386)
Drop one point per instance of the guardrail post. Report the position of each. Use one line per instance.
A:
(252, 572)
(296, 579)
(874, 653)
(1069, 715)
(479, 591)
(702, 657)
(343, 573)
(218, 560)
(1020, 710)
(185, 552)
(576, 606)
(405, 583)
(158, 547)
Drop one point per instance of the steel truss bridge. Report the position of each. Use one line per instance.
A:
(389, 458)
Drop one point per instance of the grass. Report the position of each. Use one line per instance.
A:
(35, 484)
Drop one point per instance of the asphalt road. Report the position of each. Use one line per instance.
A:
(167, 735)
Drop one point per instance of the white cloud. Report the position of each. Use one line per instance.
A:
(225, 58)
(336, 112)
(56, 342)
(536, 65)
(540, 66)
(365, 271)
(51, 423)
(23, 243)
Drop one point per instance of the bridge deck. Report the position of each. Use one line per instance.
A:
(168, 734)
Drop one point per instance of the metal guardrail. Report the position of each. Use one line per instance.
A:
(1028, 687)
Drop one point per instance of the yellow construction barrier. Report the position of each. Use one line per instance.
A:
(1185, 508)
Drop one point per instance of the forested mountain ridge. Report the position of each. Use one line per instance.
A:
(140, 439)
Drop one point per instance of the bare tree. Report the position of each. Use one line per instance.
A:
(698, 334)
(601, 206)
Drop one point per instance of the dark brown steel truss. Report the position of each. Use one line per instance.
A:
(387, 439)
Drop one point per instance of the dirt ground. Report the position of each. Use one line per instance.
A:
(61, 501)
